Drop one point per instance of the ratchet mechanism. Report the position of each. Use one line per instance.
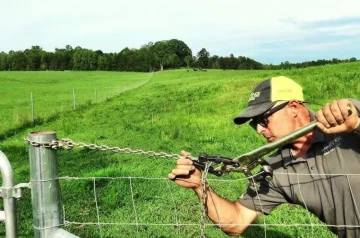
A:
(247, 162)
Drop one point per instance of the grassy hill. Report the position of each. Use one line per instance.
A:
(176, 110)
(49, 93)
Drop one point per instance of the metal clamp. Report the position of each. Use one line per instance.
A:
(204, 158)
(13, 192)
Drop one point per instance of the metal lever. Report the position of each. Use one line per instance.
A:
(203, 157)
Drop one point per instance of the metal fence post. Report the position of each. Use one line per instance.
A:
(32, 108)
(9, 214)
(45, 188)
(74, 101)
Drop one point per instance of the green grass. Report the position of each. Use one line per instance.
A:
(176, 110)
(53, 92)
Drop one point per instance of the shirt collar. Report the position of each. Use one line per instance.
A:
(288, 158)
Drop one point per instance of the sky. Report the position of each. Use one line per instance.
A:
(269, 31)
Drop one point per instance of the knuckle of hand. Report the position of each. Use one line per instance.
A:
(327, 113)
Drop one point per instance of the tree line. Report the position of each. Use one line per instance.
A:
(152, 56)
(288, 65)
(167, 54)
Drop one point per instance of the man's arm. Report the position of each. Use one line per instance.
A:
(232, 217)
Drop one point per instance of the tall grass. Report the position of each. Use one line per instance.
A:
(176, 110)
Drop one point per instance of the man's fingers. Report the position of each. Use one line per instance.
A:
(182, 171)
(337, 113)
(328, 115)
(171, 176)
(334, 113)
(346, 108)
(320, 117)
(185, 167)
(184, 161)
(185, 173)
(185, 153)
(331, 130)
(337, 117)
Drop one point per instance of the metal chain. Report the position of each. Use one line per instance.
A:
(203, 198)
(54, 144)
(68, 144)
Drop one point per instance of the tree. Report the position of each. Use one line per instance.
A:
(4, 64)
(33, 56)
(85, 59)
(163, 53)
(180, 49)
(188, 60)
(203, 58)
(63, 58)
(233, 62)
(45, 62)
(214, 62)
(103, 63)
(160, 51)
(352, 59)
(17, 60)
(148, 56)
(174, 61)
(194, 62)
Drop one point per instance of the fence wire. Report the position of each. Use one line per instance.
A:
(176, 210)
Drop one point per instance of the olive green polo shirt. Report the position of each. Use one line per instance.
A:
(326, 182)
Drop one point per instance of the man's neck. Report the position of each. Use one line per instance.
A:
(300, 147)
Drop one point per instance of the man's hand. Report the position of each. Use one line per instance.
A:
(185, 174)
(337, 117)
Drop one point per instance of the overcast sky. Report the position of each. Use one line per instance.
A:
(266, 30)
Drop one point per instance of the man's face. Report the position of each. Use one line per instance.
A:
(274, 123)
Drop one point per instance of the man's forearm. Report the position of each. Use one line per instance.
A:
(221, 211)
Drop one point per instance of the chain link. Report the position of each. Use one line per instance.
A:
(54, 144)
(68, 144)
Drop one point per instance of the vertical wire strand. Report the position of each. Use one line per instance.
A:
(302, 198)
(261, 207)
(64, 217)
(203, 199)
(352, 197)
(97, 208)
(133, 202)
(216, 210)
(173, 201)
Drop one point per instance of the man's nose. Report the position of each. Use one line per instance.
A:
(259, 128)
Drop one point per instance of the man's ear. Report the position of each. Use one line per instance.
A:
(294, 107)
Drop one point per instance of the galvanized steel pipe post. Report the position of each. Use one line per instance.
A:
(9, 214)
(45, 188)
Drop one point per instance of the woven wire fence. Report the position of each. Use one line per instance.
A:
(177, 223)
(128, 206)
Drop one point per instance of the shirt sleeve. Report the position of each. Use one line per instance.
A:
(264, 199)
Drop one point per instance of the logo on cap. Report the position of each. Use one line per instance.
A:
(253, 96)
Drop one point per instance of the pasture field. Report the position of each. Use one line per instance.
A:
(54, 92)
(176, 110)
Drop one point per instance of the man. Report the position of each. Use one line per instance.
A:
(317, 171)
